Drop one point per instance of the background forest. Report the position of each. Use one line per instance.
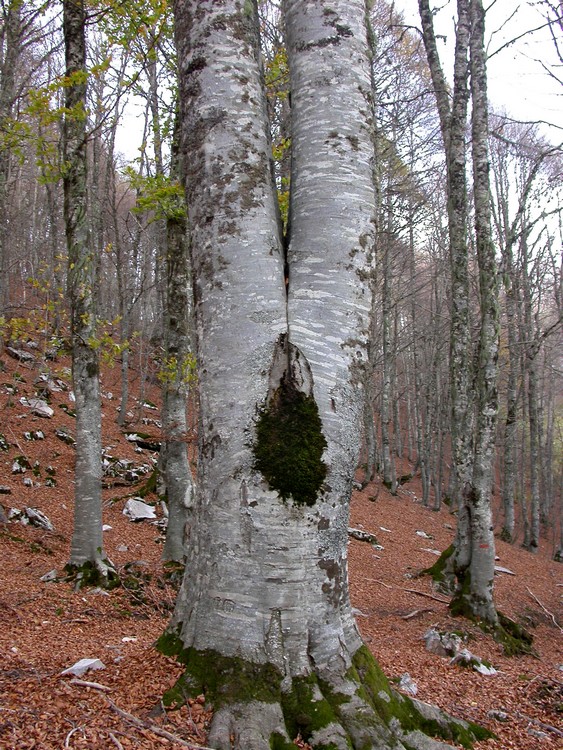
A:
(464, 351)
(131, 90)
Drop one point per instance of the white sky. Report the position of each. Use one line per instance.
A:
(517, 83)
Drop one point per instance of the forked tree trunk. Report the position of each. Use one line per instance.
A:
(263, 621)
(87, 545)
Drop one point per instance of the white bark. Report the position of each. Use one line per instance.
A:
(266, 589)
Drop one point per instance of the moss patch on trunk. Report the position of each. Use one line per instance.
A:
(289, 445)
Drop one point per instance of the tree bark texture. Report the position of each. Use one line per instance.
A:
(180, 487)
(453, 123)
(12, 47)
(263, 621)
(478, 592)
(87, 546)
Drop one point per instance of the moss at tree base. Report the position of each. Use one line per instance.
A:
(101, 574)
(442, 573)
(411, 715)
(363, 709)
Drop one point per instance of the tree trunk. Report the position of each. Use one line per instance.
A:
(476, 590)
(12, 48)
(180, 486)
(87, 545)
(263, 621)
(453, 122)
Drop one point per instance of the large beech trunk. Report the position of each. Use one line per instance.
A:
(263, 620)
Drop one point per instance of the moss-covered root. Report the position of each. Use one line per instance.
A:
(442, 572)
(100, 573)
(515, 640)
(412, 721)
(256, 708)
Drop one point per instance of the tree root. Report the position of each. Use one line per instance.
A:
(257, 708)
(100, 573)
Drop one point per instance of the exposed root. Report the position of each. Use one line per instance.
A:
(100, 572)
(257, 708)
(249, 726)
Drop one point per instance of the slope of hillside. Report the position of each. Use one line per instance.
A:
(46, 626)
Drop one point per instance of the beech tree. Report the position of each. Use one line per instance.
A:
(87, 545)
(263, 621)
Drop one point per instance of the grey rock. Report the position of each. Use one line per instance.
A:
(137, 510)
(49, 577)
(82, 666)
(19, 354)
(498, 715)
(407, 684)
(37, 518)
(442, 644)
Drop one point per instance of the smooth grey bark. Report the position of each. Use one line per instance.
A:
(11, 49)
(530, 359)
(266, 589)
(87, 545)
(453, 122)
(478, 593)
(177, 370)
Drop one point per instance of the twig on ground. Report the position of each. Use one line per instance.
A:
(429, 596)
(409, 591)
(115, 741)
(374, 580)
(93, 685)
(547, 612)
(153, 728)
(415, 613)
(69, 735)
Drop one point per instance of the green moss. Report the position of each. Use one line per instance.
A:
(89, 574)
(278, 742)
(437, 571)
(222, 679)
(391, 705)
(149, 487)
(170, 644)
(308, 707)
(515, 640)
(289, 445)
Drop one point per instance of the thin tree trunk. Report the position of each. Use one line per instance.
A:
(9, 67)
(477, 592)
(87, 545)
(180, 487)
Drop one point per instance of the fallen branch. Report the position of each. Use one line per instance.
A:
(374, 580)
(363, 536)
(408, 591)
(547, 612)
(153, 728)
(93, 685)
(541, 724)
(115, 741)
(429, 596)
(416, 613)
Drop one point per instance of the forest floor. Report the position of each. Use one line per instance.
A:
(47, 626)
